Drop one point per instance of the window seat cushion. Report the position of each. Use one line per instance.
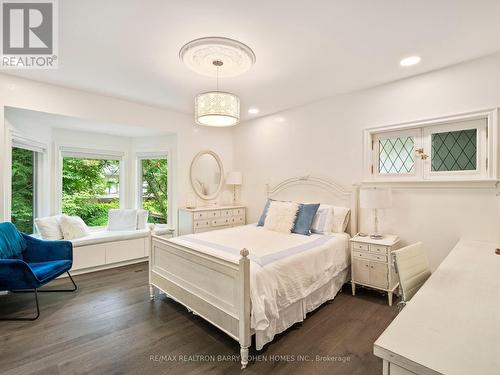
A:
(102, 236)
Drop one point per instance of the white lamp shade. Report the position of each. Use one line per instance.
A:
(375, 198)
(234, 178)
(217, 108)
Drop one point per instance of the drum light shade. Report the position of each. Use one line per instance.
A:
(217, 108)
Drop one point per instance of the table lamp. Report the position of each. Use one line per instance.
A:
(234, 179)
(375, 198)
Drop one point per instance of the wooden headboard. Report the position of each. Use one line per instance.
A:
(318, 190)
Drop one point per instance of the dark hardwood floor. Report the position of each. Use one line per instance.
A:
(109, 326)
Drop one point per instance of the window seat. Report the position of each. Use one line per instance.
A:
(103, 249)
(101, 235)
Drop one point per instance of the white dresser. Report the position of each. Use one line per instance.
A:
(203, 219)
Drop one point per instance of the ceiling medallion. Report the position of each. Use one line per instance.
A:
(199, 55)
(217, 57)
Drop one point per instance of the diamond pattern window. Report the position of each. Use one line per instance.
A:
(396, 155)
(458, 148)
(454, 151)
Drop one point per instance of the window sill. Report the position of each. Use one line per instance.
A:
(435, 184)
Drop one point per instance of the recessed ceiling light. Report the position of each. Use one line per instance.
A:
(409, 61)
(253, 111)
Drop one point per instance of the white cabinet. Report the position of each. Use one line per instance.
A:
(372, 264)
(203, 219)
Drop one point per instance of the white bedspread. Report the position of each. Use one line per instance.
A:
(285, 268)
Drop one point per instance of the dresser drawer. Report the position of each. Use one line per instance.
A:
(212, 214)
(221, 222)
(200, 215)
(360, 246)
(226, 213)
(239, 212)
(238, 220)
(368, 256)
(378, 249)
(201, 224)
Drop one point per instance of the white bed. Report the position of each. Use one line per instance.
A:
(249, 280)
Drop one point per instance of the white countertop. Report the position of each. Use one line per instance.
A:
(452, 324)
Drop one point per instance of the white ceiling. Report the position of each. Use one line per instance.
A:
(306, 50)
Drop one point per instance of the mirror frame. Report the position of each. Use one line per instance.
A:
(221, 182)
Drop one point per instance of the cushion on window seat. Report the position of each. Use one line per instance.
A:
(102, 236)
(49, 270)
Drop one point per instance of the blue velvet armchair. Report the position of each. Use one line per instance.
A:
(27, 263)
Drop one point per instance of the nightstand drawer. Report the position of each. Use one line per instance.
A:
(378, 249)
(360, 246)
(368, 256)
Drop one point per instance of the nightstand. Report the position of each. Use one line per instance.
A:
(372, 264)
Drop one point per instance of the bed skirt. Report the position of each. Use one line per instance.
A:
(297, 311)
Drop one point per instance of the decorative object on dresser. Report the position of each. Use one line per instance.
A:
(203, 219)
(372, 264)
(375, 198)
(234, 179)
(206, 175)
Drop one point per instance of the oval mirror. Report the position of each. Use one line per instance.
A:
(206, 175)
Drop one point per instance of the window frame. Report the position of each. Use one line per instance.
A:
(376, 154)
(487, 150)
(82, 153)
(165, 155)
(481, 155)
(39, 153)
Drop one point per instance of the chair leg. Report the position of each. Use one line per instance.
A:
(61, 290)
(26, 319)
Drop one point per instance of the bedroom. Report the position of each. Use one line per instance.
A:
(315, 93)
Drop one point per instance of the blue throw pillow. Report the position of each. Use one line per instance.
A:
(264, 214)
(305, 217)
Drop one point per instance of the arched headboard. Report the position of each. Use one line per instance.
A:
(318, 190)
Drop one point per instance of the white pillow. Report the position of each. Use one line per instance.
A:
(340, 219)
(281, 216)
(49, 227)
(323, 220)
(122, 219)
(73, 227)
(142, 219)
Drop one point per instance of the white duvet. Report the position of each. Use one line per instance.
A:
(285, 268)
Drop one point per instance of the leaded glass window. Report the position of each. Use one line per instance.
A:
(396, 155)
(454, 151)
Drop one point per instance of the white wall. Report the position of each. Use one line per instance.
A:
(32, 95)
(325, 138)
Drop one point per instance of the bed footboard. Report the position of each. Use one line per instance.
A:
(213, 288)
